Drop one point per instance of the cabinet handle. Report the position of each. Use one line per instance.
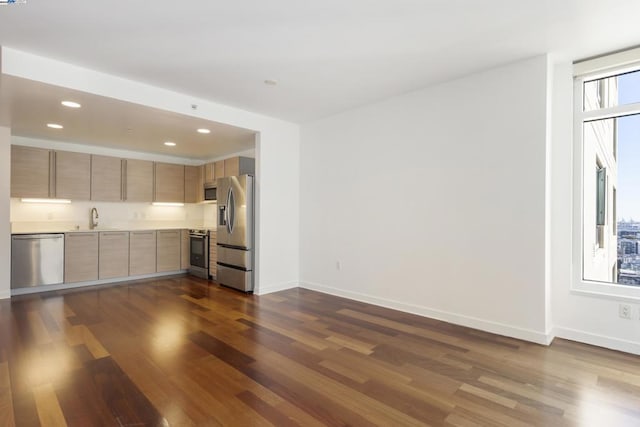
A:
(142, 233)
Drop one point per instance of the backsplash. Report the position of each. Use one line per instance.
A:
(44, 216)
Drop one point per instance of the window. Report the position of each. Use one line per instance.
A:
(607, 114)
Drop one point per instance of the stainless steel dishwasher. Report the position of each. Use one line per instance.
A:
(37, 259)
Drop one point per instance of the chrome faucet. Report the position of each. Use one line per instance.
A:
(94, 218)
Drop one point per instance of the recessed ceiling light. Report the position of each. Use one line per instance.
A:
(203, 130)
(271, 82)
(54, 126)
(170, 144)
(71, 104)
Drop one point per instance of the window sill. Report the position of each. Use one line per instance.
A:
(607, 291)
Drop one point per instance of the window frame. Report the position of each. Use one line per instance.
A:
(598, 68)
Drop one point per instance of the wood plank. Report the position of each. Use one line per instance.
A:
(49, 411)
(6, 398)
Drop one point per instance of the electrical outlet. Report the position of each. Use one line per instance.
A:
(624, 311)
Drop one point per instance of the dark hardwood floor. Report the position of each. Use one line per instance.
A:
(182, 352)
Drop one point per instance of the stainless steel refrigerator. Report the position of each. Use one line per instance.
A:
(235, 232)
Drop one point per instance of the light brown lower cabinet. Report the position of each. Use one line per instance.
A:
(213, 254)
(80, 257)
(114, 254)
(185, 255)
(142, 252)
(168, 253)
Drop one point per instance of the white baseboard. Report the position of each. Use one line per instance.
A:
(457, 319)
(598, 340)
(5, 294)
(264, 290)
(63, 286)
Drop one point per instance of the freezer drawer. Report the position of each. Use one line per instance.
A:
(236, 257)
(234, 278)
(37, 259)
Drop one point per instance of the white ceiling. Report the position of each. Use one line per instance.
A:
(327, 56)
(27, 107)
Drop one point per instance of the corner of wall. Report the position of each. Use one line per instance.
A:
(5, 222)
(270, 289)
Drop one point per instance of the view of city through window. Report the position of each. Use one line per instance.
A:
(611, 180)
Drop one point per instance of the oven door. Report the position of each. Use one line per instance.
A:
(199, 250)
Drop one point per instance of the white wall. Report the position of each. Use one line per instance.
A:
(578, 316)
(277, 148)
(5, 229)
(434, 202)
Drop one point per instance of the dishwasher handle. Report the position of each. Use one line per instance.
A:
(38, 237)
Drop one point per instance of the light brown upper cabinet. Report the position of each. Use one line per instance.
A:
(30, 172)
(73, 175)
(193, 184)
(138, 178)
(218, 168)
(169, 183)
(209, 173)
(239, 166)
(106, 178)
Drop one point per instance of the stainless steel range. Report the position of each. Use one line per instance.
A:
(199, 253)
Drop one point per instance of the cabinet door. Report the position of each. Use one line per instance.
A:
(138, 181)
(239, 166)
(80, 257)
(200, 184)
(193, 185)
(169, 183)
(219, 169)
(73, 175)
(168, 255)
(114, 254)
(232, 166)
(142, 252)
(106, 178)
(213, 254)
(209, 173)
(185, 255)
(30, 172)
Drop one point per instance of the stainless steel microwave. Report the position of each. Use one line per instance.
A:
(210, 193)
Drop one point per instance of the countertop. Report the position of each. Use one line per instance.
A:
(57, 230)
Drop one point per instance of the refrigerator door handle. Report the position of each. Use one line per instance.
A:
(231, 211)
